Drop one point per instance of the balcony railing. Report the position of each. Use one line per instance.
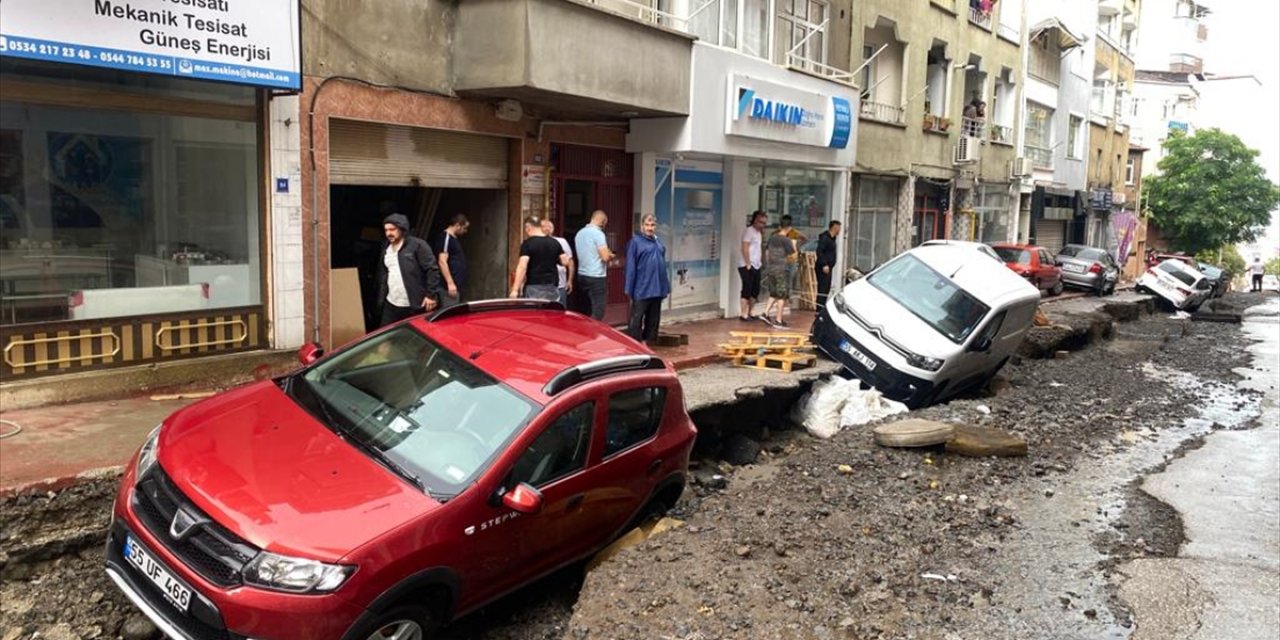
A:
(1001, 134)
(973, 127)
(936, 124)
(881, 112)
(979, 17)
(1041, 157)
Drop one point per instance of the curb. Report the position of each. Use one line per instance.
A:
(61, 482)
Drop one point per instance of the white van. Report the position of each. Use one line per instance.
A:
(929, 324)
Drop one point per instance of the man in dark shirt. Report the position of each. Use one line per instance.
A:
(408, 279)
(825, 260)
(453, 262)
(536, 273)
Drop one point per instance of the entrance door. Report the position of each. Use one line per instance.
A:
(587, 179)
(926, 224)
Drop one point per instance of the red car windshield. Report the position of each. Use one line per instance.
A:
(1014, 255)
(419, 409)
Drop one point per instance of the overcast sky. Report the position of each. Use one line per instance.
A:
(1244, 38)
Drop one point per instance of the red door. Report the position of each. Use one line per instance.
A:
(591, 178)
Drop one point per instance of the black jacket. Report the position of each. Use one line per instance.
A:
(418, 268)
(826, 251)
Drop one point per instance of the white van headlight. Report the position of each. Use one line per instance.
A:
(925, 362)
(838, 299)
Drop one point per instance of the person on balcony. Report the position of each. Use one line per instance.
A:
(975, 118)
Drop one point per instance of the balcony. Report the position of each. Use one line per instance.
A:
(502, 51)
(879, 112)
(1185, 63)
(979, 17)
(973, 127)
(1110, 7)
(1001, 134)
(1045, 65)
(1040, 157)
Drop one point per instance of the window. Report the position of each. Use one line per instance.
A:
(1130, 169)
(418, 406)
(1074, 125)
(559, 450)
(930, 296)
(937, 69)
(1039, 135)
(1013, 255)
(803, 25)
(992, 206)
(873, 221)
(802, 193)
(106, 211)
(755, 28)
(634, 416)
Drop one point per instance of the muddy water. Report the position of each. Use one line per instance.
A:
(1056, 583)
(1223, 582)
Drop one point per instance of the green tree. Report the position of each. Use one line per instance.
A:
(1210, 193)
(1273, 266)
(1227, 258)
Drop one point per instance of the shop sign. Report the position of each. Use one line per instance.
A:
(1100, 199)
(761, 109)
(253, 42)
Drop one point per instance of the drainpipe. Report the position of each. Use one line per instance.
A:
(315, 212)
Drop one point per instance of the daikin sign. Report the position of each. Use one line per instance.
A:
(772, 111)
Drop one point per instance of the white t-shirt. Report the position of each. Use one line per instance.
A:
(396, 294)
(1257, 268)
(753, 236)
(561, 269)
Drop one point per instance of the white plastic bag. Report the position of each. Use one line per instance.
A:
(866, 406)
(819, 410)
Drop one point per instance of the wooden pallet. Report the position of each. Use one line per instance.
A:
(775, 361)
(760, 350)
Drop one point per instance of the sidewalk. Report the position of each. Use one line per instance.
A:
(56, 443)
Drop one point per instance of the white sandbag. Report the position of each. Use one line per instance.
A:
(866, 406)
(819, 410)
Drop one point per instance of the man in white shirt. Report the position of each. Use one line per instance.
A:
(1257, 269)
(564, 271)
(749, 256)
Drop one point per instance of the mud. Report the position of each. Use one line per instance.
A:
(912, 544)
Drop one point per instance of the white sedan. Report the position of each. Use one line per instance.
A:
(1184, 287)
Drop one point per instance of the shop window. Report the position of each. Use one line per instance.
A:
(123, 210)
(804, 194)
(992, 208)
(874, 221)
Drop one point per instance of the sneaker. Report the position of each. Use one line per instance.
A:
(766, 320)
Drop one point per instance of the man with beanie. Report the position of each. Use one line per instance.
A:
(408, 276)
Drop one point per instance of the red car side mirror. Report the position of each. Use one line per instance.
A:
(523, 499)
(309, 353)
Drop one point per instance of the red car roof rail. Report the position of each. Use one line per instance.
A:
(607, 366)
(500, 304)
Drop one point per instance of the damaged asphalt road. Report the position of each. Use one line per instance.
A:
(909, 544)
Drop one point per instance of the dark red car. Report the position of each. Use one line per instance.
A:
(1034, 263)
(402, 481)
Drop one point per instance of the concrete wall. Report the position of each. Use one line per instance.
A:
(398, 42)
(573, 49)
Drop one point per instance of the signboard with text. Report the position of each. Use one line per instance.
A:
(254, 42)
(767, 110)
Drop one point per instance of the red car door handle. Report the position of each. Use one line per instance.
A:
(655, 466)
(574, 502)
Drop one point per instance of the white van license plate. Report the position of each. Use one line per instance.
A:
(176, 592)
(857, 355)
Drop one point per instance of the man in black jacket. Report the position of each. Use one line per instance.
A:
(825, 261)
(408, 277)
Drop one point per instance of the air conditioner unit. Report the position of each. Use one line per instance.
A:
(967, 149)
(1021, 167)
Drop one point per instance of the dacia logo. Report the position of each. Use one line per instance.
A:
(184, 524)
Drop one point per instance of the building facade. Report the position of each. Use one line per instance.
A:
(1112, 220)
(770, 127)
(931, 163)
(137, 184)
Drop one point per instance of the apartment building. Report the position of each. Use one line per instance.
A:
(930, 165)
(770, 127)
(1054, 139)
(1173, 35)
(1112, 220)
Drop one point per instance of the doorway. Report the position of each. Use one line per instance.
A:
(356, 244)
(587, 179)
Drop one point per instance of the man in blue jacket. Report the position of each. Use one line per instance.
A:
(647, 281)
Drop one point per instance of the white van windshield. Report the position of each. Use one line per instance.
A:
(931, 296)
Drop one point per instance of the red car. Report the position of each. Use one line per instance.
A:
(405, 480)
(1034, 263)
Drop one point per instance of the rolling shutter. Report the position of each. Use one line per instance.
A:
(1050, 234)
(375, 154)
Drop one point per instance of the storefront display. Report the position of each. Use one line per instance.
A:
(688, 202)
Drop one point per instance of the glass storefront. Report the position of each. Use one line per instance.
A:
(689, 205)
(873, 221)
(804, 194)
(992, 206)
(125, 194)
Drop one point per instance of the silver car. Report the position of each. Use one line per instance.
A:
(1089, 268)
